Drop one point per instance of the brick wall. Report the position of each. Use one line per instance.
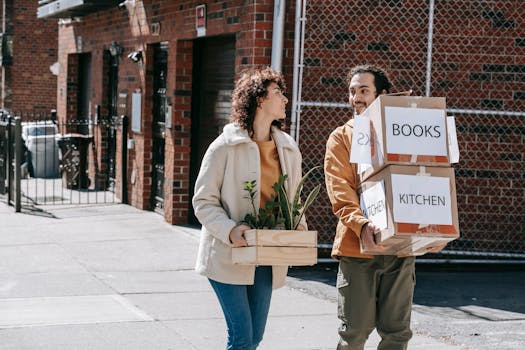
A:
(178, 141)
(29, 84)
(132, 29)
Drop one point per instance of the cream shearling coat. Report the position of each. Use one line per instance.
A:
(220, 201)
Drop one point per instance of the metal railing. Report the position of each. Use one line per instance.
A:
(48, 162)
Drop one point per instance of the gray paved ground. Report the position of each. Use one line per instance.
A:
(114, 277)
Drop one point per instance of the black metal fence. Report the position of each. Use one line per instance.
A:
(10, 156)
(44, 161)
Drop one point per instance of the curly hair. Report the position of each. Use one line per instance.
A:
(381, 80)
(249, 91)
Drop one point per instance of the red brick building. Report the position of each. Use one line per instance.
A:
(114, 53)
(29, 49)
(148, 60)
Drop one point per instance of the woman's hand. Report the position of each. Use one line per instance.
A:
(300, 228)
(237, 236)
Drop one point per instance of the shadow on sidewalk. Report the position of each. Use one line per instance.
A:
(29, 208)
(495, 286)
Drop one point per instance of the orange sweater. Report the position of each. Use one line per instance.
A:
(341, 185)
(270, 169)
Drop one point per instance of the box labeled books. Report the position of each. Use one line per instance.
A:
(401, 130)
(414, 206)
(277, 247)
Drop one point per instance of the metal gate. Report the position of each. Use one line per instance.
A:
(10, 159)
(160, 104)
(471, 52)
(4, 124)
(57, 165)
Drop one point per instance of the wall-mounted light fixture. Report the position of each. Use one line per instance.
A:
(135, 56)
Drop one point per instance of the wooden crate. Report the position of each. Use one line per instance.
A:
(277, 247)
(281, 238)
(288, 256)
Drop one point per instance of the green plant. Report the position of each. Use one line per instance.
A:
(279, 211)
(264, 217)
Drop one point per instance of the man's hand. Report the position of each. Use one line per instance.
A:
(368, 238)
(237, 236)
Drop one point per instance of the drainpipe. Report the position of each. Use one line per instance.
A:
(278, 34)
(429, 47)
(298, 52)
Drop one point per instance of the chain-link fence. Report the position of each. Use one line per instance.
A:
(470, 51)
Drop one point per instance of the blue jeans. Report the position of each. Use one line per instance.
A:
(245, 309)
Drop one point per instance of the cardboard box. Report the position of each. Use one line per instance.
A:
(419, 245)
(414, 206)
(404, 130)
(277, 247)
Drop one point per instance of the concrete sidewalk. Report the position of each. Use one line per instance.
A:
(114, 277)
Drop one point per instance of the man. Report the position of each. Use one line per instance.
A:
(374, 291)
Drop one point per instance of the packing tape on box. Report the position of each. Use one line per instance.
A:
(423, 171)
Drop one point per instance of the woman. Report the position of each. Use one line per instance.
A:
(251, 147)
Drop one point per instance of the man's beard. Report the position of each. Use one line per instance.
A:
(354, 109)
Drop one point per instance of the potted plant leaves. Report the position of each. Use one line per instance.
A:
(274, 238)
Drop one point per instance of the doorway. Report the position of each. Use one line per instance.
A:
(84, 87)
(213, 83)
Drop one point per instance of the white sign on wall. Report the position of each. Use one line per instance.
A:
(421, 199)
(415, 131)
(136, 108)
(200, 20)
(373, 205)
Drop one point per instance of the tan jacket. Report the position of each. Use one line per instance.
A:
(341, 185)
(220, 202)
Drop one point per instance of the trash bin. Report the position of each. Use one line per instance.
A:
(40, 151)
(73, 157)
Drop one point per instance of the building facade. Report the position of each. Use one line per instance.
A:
(28, 56)
(170, 67)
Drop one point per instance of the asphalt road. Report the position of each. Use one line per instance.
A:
(477, 306)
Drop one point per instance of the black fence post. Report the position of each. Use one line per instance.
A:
(10, 143)
(3, 153)
(18, 163)
(124, 160)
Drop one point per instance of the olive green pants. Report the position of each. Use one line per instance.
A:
(375, 293)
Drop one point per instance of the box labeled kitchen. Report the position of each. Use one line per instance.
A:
(403, 130)
(415, 207)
